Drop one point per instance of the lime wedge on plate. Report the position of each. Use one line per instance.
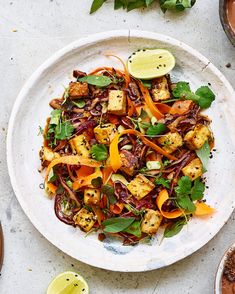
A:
(150, 63)
(68, 283)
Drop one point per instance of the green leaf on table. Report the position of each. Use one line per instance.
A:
(109, 192)
(149, 2)
(178, 5)
(204, 154)
(174, 228)
(99, 81)
(134, 229)
(99, 152)
(136, 4)
(55, 116)
(79, 103)
(117, 224)
(156, 129)
(64, 130)
(197, 190)
(119, 4)
(96, 4)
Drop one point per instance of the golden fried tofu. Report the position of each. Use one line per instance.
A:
(91, 196)
(84, 219)
(78, 90)
(129, 162)
(47, 154)
(196, 138)
(140, 186)
(151, 221)
(117, 102)
(194, 169)
(171, 141)
(161, 91)
(80, 146)
(105, 133)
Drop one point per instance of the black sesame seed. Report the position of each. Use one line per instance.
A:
(67, 279)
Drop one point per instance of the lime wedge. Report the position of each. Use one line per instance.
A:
(68, 283)
(150, 63)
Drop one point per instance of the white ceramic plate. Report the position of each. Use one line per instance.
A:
(31, 109)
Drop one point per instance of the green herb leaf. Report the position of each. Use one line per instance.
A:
(117, 224)
(197, 190)
(55, 117)
(186, 203)
(96, 4)
(52, 176)
(204, 154)
(164, 182)
(147, 83)
(136, 4)
(206, 96)
(109, 192)
(99, 81)
(118, 4)
(175, 228)
(79, 103)
(64, 130)
(184, 186)
(156, 130)
(69, 184)
(66, 95)
(178, 5)
(41, 131)
(97, 182)
(134, 229)
(149, 2)
(181, 89)
(99, 152)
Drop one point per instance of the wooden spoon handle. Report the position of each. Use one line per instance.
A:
(1, 246)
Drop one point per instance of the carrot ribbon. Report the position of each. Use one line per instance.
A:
(115, 158)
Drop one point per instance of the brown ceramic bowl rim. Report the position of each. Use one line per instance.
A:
(220, 269)
(224, 21)
(1, 246)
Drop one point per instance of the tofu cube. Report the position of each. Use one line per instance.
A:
(196, 138)
(129, 162)
(80, 146)
(140, 186)
(171, 141)
(117, 102)
(47, 154)
(105, 133)
(78, 90)
(84, 219)
(91, 196)
(151, 221)
(194, 169)
(161, 91)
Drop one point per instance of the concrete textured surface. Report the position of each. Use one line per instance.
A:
(30, 31)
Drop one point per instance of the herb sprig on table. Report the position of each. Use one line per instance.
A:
(176, 5)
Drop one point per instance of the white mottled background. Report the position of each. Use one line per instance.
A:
(30, 31)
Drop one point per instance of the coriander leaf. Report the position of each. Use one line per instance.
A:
(69, 183)
(117, 224)
(96, 4)
(64, 130)
(197, 190)
(184, 186)
(118, 4)
(80, 103)
(148, 2)
(99, 81)
(55, 117)
(164, 182)
(136, 4)
(204, 154)
(109, 192)
(156, 130)
(175, 228)
(178, 5)
(206, 96)
(181, 89)
(99, 152)
(186, 203)
(134, 229)
(66, 95)
(97, 182)
(41, 131)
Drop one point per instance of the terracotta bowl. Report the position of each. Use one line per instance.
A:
(219, 274)
(1, 246)
(224, 20)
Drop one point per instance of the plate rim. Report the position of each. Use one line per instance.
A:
(29, 83)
